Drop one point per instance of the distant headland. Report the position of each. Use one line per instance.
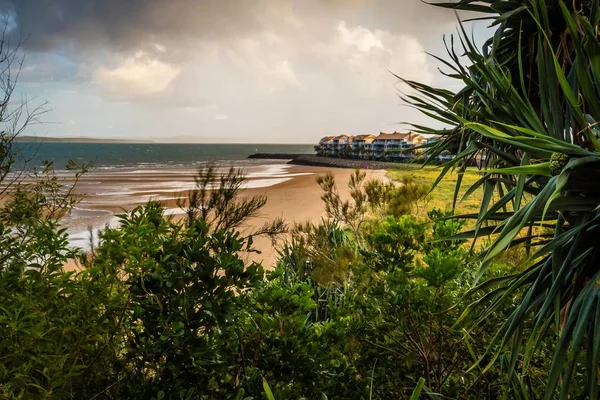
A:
(37, 139)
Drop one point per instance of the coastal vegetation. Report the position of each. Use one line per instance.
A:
(456, 283)
(356, 304)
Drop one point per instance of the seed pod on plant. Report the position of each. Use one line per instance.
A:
(558, 162)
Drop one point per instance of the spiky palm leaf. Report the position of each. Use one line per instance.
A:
(529, 114)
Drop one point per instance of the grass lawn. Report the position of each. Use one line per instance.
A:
(442, 195)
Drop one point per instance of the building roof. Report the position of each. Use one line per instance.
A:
(325, 139)
(341, 137)
(393, 136)
(360, 137)
(408, 136)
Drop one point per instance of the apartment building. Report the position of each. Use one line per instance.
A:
(385, 146)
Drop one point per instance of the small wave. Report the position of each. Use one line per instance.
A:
(80, 238)
(157, 171)
(173, 211)
(88, 212)
(263, 183)
(270, 171)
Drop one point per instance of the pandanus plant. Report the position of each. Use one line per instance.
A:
(529, 117)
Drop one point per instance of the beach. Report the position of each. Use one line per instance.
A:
(291, 190)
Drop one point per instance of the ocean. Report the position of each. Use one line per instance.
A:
(125, 175)
(147, 155)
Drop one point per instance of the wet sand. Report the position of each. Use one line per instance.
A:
(291, 190)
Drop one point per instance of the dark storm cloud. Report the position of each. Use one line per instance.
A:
(125, 24)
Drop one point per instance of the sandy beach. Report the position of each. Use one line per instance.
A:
(291, 190)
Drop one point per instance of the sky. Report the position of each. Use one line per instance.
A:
(256, 71)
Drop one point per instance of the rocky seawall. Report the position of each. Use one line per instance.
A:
(274, 156)
(318, 161)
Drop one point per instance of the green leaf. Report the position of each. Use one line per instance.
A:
(535, 169)
(416, 394)
(267, 390)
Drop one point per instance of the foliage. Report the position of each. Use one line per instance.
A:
(528, 115)
(216, 200)
(394, 242)
(42, 195)
(405, 197)
(183, 287)
(443, 195)
(409, 296)
(321, 252)
(398, 314)
(50, 321)
(372, 196)
(15, 115)
(351, 212)
(167, 310)
(283, 339)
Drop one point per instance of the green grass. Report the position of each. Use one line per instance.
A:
(442, 196)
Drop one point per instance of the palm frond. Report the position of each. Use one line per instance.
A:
(528, 116)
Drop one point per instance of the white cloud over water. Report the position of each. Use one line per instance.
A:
(137, 76)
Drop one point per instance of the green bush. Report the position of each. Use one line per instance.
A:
(170, 310)
(184, 286)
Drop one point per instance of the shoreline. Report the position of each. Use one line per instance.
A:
(291, 190)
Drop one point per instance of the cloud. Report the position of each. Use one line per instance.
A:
(137, 76)
(297, 67)
(125, 26)
(38, 67)
(266, 57)
(360, 37)
(369, 57)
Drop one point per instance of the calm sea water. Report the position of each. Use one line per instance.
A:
(123, 155)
